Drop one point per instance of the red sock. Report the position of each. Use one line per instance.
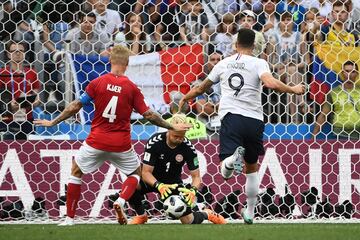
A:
(129, 187)
(72, 198)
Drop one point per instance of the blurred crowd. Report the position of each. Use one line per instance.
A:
(35, 35)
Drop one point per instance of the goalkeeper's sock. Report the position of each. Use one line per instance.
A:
(136, 202)
(129, 187)
(251, 191)
(227, 167)
(199, 217)
(73, 195)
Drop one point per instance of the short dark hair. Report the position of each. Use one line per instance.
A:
(246, 38)
(349, 62)
(86, 14)
(285, 15)
(340, 3)
(11, 42)
(212, 50)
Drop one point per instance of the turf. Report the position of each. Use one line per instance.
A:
(178, 231)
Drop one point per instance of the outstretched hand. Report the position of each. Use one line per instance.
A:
(299, 89)
(165, 190)
(189, 196)
(182, 126)
(43, 123)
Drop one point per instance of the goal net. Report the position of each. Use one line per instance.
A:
(51, 50)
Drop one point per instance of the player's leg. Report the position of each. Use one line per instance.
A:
(136, 203)
(254, 148)
(129, 164)
(87, 161)
(197, 217)
(231, 145)
(128, 188)
(73, 194)
(251, 191)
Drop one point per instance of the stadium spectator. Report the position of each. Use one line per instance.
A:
(18, 24)
(107, 20)
(194, 25)
(162, 16)
(247, 19)
(215, 9)
(286, 49)
(109, 138)
(21, 85)
(88, 5)
(354, 18)
(242, 126)
(7, 26)
(224, 34)
(22, 15)
(342, 106)
(52, 36)
(207, 104)
(324, 7)
(269, 18)
(134, 35)
(252, 5)
(124, 7)
(297, 11)
(85, 39)
(311, 29)
(164, 157)
(336, 33)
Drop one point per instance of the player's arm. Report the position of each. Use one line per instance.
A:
(196, 91)
(192, 162)
(270, 82)
(190, 193)
(73, 108)
(147, 174)
(157, 120)
(195, 179)
(164, 189)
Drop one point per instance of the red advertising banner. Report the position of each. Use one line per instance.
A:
(31, 169)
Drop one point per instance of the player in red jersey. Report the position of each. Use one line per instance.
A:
(115, 97)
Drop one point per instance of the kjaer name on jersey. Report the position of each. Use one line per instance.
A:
(113, 88)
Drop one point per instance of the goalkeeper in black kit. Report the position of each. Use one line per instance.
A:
(164, 157)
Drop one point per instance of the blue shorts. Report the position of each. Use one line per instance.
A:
(237, 130)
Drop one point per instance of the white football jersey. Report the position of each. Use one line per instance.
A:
(240, 83)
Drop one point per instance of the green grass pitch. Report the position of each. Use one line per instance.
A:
(178, 231)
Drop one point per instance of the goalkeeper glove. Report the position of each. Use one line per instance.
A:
(189, 195)
(165, 189)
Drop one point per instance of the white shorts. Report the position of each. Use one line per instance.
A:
(90, 159)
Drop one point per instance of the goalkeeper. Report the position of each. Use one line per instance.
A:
(165, 155)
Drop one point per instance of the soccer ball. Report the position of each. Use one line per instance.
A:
(174, 206)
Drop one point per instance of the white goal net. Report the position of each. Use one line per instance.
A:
(51, 50)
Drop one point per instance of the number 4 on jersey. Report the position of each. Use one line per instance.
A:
(110, 109)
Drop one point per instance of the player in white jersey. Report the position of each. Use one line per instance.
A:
(241, 78)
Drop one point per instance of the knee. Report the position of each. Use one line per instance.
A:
(76, 171)
(187, 219)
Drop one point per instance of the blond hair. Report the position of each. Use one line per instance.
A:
(178, 118)
(120, 55)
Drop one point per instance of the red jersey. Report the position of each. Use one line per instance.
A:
(18, 84)
(114, 97)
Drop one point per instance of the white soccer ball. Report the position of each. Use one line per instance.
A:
(174, 206)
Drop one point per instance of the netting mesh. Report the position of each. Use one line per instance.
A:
(51, 50)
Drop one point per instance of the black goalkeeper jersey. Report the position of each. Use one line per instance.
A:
(167, 162)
